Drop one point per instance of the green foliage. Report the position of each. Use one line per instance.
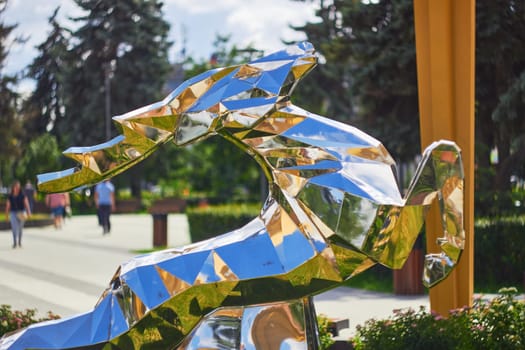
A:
(45, 108)
(210, 221)
(369, 78)
(499, 257)
(226, 54)
(11, 320)
(494, 203)
(496, 324)
(41, 155)
(11, 129)
(214, 167)
(116, 60)
(409, 329)
(33, 217)
(378, 278)
(120, 53)
(325, 337)
(500, 89)
(223, 171)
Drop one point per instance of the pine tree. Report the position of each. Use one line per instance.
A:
(326, 90)
(120, 62)
(500, 86)
(500, 104)
(10, 125)
(370, 77)
(45, 108)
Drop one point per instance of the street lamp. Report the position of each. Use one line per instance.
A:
(109, 69)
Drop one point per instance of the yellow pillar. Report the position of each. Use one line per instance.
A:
(445, 36)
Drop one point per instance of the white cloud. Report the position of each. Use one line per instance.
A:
(204, 6)
(265, 23)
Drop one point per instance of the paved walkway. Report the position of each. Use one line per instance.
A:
(66, 270)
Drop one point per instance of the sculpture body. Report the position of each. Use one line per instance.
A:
(334, 210)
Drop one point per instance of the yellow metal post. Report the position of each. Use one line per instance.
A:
(445, 36)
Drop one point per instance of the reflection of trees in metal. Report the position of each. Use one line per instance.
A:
(334, 210)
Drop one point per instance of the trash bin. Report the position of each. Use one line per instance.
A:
(407, 280)
(160, 230)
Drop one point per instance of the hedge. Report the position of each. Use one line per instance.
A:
(499, 252)
(210, 221)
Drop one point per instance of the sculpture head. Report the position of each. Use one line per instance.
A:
(238, 95)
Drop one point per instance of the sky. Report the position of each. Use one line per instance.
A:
(262, 23)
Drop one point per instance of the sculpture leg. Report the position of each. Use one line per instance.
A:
(440, 177)
(262, 327)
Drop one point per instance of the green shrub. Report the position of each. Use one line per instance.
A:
(11, 320)
(325, 337)
(499, 257)
(378, 278)
(496, 324)
(211, 221)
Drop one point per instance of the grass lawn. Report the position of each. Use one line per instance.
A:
(32, 217)
(377, 278)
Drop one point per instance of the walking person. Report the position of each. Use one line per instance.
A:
(57, 202)
(30, 193)
(105, 203)
(17, 210)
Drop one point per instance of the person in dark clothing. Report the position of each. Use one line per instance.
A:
(17, 210)
(30, 193)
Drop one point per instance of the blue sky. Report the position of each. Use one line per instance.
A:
(260, 22)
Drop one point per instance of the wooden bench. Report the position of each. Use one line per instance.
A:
(337, 324)
(167, 206)
(124, 206)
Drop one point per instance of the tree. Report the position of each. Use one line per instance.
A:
(40, 155)
(226, 54)
(120, 62)
(370, 76)
(375, 42)
(10, 124)
(326, 90)
(500, 96)
(45, 108)
(214, 168)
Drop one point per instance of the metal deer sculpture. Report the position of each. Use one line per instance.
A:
(334, 209)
